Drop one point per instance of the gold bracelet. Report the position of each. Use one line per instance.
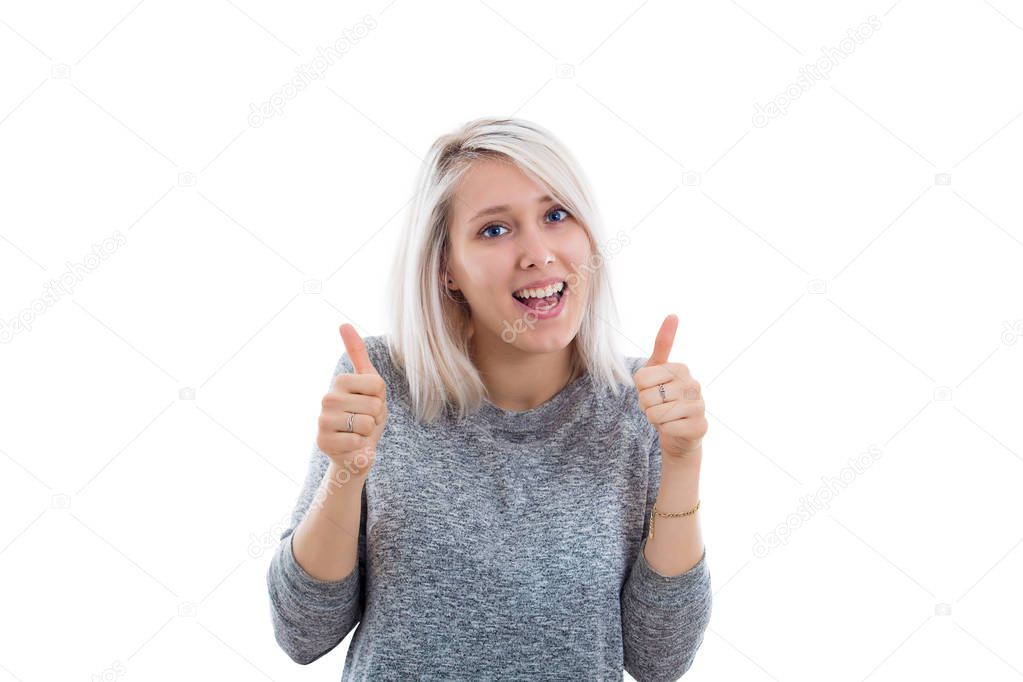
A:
(654, 514)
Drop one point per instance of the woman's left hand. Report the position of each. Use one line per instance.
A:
(679, 415)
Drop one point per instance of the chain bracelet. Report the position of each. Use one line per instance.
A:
(654, 514)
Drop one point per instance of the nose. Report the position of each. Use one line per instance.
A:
(535, 252)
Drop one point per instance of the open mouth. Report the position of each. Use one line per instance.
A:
(544, 303)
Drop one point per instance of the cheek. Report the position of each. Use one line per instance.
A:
(481, 270)
(579, 242)
(485, 274)
(578, 251)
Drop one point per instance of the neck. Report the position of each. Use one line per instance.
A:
(517, 380)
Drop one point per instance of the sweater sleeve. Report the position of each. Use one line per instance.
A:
(663, 617)
(310, 616)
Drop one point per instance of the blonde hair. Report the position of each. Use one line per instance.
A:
(428, 327)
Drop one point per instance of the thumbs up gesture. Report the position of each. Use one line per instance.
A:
(354, 411)
(671, 399)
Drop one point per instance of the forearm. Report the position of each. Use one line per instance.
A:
(326, 541)
(677, 544)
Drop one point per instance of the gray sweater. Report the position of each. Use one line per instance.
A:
(504, 546)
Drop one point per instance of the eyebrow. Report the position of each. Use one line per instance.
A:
(502, 208)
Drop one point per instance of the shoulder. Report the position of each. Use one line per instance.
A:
(634, 363)
(380, 353)
(621, 406)
(625, 393)
(376, 346)
(645, 430)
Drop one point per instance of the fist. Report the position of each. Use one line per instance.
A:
(354, 411)
(678, 414)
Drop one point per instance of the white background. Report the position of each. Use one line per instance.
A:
(835, 293)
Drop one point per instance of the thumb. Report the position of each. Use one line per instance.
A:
(664, 341)
(356, 350)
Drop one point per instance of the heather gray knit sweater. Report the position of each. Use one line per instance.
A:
(505, 546)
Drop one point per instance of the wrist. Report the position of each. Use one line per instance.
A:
(679, 487)
(690, 461)
(343, 474)
(340, 484)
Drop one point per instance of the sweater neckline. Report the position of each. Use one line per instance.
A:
(539, 417)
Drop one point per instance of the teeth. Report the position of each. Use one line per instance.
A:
(540, 293)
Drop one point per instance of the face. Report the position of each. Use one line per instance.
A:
(506, 232)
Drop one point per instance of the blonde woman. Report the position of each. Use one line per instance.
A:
(496, 492)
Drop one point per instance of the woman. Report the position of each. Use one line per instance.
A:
(481, 494)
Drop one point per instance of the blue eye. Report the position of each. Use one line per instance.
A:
(559, 210)
(490, 227)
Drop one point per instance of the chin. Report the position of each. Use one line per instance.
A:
(544, 342)
(543, 337)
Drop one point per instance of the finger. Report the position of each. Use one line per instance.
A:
(685, 390)
(337, 402)
(691, 428)
(363, 384)
(664, 341)
(340, 442)
(662, 413)
(356, 350)
(362, 424)
(651, 375)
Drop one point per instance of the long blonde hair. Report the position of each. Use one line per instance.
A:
(427, 336)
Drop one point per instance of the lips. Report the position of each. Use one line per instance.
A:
(540, 283)
(553, 311)
(558, 294)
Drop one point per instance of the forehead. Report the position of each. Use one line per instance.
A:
(492, 182)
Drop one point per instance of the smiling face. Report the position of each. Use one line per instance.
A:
(506, 232)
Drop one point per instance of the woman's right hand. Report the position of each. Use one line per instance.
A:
(363, 393)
